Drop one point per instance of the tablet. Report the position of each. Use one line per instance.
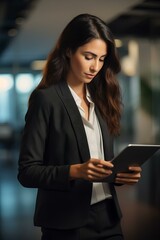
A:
(133, 154)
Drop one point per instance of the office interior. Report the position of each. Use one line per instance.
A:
(28, 31)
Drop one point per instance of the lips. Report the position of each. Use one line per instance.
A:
(89, 75)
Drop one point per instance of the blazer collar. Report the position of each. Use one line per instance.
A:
(75, 117)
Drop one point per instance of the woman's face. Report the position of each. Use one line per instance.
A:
(86, 62)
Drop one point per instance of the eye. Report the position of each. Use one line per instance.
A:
(102, 59)
(88, 57)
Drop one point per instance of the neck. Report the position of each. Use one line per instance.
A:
(79, 89)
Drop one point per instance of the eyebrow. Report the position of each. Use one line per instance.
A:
(88, 52)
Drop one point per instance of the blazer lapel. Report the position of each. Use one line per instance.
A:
(75, 117)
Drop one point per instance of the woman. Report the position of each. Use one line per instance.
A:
(67, 143)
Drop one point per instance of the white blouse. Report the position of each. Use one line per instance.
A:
(100, 191)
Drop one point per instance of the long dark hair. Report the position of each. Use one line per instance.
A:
(104, 88)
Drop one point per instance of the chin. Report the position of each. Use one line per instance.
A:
(88, 80)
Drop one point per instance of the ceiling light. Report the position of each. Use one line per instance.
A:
(19, 21)
(118, 43)
(24, 82)
(12, 32)
(38, 64)
(6, 82)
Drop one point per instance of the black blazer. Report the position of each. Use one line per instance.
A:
(53, 139)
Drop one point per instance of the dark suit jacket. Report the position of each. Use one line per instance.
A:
(53, 139)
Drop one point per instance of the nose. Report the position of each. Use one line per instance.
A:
(95, 66)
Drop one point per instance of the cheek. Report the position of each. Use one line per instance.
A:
(78, 65)
(100, 67)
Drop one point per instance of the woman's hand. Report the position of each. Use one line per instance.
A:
(94, 170)
(129, 178)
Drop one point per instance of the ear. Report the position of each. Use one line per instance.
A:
(68, 53)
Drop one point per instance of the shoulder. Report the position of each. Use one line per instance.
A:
(42, 102)
(44, 96)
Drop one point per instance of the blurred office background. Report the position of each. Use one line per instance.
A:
(28, 31)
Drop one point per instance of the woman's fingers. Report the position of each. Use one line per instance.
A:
(130, 177)
(96, 169)
(101, 163)
(126, 181)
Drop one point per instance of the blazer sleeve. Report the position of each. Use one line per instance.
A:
(32, 172)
